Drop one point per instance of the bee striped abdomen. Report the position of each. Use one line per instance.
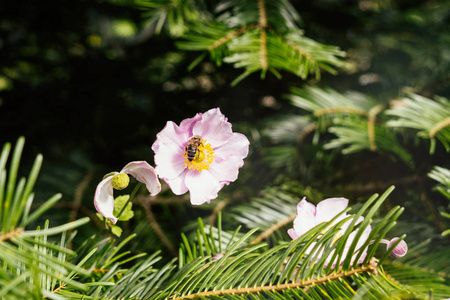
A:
(192, 147)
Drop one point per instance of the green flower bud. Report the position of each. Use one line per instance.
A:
(120, 181)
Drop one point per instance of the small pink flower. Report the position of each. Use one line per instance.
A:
(399, 251)
(104, 198)
(201, 155)
(309, 216)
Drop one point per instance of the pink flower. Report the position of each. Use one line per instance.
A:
(104, 198)
(309, 216)
(201, 155)
(399, 251)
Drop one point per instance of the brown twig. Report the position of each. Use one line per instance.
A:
(77, 200)
(331, 110)
(220, 206)
(371, 125)
(11, 234)
(371, 267)
(434, 212)
(439, 126)
(63, 285)
(230, 36)
(307, 130)
(262, 34)
(156, 228)
(274, 227)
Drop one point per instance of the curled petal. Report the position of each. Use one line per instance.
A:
(144, 173)
(104, 199)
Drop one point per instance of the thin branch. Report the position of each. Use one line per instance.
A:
(371, 125)
(439, 126)
(220, 206)
(63, 285)
(156, 228)
(78, 196)
(434, 212)
(371, 267)
(230, 36)
(307, 130)
(262, 34)
(11, 234)
(274, 227)
(331, 110)
(77, 199)
(375, 186)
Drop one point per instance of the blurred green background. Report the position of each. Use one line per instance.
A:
(90, 84)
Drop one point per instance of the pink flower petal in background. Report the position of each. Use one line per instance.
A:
(309, 216)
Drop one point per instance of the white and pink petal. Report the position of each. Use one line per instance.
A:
(144, 173)
(104, 199)
(327, 209)
(238, 145)
(203, 186)
(306, 217)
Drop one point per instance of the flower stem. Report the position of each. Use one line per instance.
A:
(136, 188)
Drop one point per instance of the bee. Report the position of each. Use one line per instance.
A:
(192, 147)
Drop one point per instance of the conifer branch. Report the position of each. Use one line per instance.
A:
(63, 285)
(156, 228)
(222, 204)
(302, 52)
(331, 110)
(230, 36)
(262, 33)
(77, 200)
(307, 130)
(371, 125)
(11, 234)
(273, 228)
(439, 126)
(369, 268)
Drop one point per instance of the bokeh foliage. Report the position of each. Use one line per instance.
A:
(90, 83)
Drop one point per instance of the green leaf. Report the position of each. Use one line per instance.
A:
(119, 203)
(116, 230)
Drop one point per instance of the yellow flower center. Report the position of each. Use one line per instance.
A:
(203, 158)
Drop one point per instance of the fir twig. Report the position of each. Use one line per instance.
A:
(262, 34)
(371, 125)
(272, 229)
(156, 228)
(439, 126)
(371, 267)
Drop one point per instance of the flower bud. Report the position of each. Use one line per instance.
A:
(217, 256)
(120, 181)
(400, 250)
